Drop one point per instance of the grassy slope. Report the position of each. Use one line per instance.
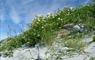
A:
(43, 29)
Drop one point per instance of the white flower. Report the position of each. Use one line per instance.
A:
(38, 19)
(59, 18)
(38, 35)
(37, 22)
(42, 27)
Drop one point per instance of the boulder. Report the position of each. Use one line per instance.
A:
(75, 27)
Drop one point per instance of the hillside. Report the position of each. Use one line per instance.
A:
(67, 25)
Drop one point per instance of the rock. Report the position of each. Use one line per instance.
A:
(68, 26)
(58, 48)
(75, 27)
(63, 33)
(87, 40)
(76, 57)
(79, 28)
(38, 58)
(91, 50)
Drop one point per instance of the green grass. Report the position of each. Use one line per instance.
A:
(76, 44)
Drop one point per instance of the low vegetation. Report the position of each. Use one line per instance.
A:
(43, 29)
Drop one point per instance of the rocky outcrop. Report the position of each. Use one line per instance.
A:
(75, 27)
(53, 52)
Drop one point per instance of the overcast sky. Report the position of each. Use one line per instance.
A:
(16, 14)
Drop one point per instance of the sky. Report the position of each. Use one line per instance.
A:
(15, 15)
